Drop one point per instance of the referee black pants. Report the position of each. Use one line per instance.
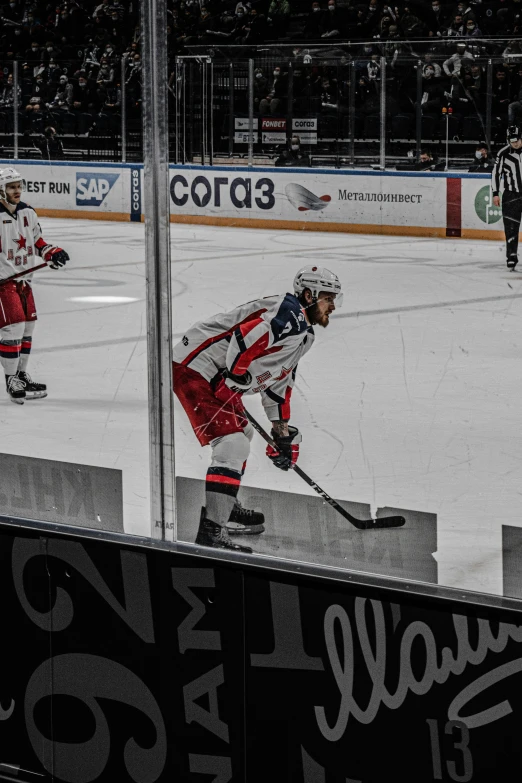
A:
(511, 214)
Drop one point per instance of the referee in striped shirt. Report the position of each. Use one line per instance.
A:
(508, 165)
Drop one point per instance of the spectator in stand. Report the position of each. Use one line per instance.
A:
(428, 162)
(64, 95)
(331, 24)
(12, 13)
(501, 91)
(310, 30)
(274, 101)
(293, 155)
(50, 146)
(454, 63)
(472, 29)
(133, 78)
(432, 90)
(483, 160)
(279, 17)
(34, 53)
(105, 76)
(456, 28)
(7, 94)
(83, 95)
(437, 20)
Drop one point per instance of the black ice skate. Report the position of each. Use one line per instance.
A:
(33, 390)
(216, 536)
(15, 389)
(512, 261)
(245, 521)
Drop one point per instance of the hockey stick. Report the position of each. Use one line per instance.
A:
(360, 524)
(25, 272)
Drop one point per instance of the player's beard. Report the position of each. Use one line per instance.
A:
(316, 318)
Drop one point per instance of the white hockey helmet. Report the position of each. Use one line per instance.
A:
(8, 176)
(317, 279)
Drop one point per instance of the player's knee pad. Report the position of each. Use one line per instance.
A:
(230, 451)
(12, 332)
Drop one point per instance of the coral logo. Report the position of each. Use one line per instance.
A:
(303, 199)
(484, 206)
(91, 189)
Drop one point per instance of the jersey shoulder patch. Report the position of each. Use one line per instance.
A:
(289, 319)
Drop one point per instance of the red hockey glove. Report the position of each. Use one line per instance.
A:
(230, 387)
(286, 454)
(55, 256)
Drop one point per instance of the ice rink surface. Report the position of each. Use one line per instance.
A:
(411, 398)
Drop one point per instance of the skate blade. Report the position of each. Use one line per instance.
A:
(35, 395)
(236, 529)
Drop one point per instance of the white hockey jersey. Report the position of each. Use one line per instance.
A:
(21, 241)
(267, 337)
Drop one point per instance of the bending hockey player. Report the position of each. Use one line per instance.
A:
(21, 247)
(254, 348)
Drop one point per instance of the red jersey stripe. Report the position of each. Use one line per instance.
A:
(222, 479)
(211, 340)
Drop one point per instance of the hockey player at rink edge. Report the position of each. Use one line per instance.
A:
(508, 167)
(254, 348)
(21, 248)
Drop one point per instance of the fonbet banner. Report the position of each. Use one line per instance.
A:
(302, 197)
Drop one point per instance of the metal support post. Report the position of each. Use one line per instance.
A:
(489, 102)
(123, 98)
(418, 111)
(203, 76)
(351, 113)
(250, 112)
(231, 120)
(382, 165)
(16, 83)
(211, 114)
(157, 255)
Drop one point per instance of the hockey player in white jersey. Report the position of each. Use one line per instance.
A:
(254, 348)
(21, 248)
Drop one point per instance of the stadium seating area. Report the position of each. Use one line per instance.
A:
(446, 70)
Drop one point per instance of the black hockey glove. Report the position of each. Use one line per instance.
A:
(55, 257)
(286, 454)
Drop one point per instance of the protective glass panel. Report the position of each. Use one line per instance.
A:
(80, 454)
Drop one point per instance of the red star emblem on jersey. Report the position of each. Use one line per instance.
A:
(22, 243)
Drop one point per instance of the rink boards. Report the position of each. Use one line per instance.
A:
(143, 661)
(369, 202)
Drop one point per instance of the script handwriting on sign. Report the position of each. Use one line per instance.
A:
(342, 664)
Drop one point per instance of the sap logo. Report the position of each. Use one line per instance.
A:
(91, 189)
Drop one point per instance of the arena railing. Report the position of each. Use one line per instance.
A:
(350, 107)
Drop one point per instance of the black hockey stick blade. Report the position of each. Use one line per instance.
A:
(360, 524)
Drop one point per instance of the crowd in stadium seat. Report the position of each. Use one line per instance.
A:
(70, 58)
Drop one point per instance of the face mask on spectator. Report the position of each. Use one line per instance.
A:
(470, 26)
(12, 5)
(259, 75)
(17, 32)
(331, 7)
(277, 72)
(82, 84)
(295, 147)
(368, 49)
(34, 48)
(49, 48)
(478, 154)
(436, 8)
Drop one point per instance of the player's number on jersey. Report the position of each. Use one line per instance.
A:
(460, 768)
